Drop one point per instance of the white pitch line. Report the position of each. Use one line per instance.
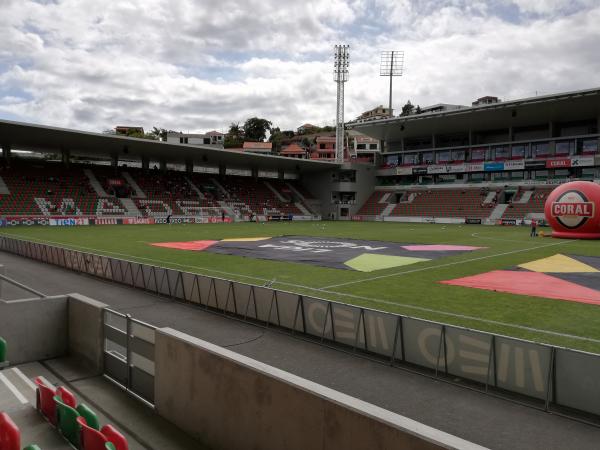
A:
(23, 377)
(11, 387)
(478, 236)
(454, 263)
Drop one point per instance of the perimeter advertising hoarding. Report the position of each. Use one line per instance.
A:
(517, 164)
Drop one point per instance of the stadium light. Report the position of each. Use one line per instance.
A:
(392, 65)
(341, 61)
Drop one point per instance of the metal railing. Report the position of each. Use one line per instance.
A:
(548, 377)
(129, 353)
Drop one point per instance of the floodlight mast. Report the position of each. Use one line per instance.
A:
(340, 76)
(392, 64)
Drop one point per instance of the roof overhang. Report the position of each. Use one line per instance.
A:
(27, 136)
(569, 106)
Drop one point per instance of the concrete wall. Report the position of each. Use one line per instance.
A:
(34, 328)
(230, 401)
(52, 327)
(86, 333)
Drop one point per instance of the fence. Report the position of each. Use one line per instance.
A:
(549, 377)
(129, 353)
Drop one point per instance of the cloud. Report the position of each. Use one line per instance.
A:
(198, 65)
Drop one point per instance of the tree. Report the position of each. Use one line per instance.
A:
(407, 109)
(158, 134)
(255, 129)
(234, 137)
(418, 110)
(276, 139)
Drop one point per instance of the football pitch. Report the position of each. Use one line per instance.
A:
(412, 289)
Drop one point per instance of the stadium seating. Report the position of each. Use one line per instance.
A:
(45, 400)
(535, 204)
(373, 206)
(256, 195)
(48, 189)
(446, 203)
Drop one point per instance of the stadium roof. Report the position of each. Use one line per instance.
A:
(563, 107)
(27, 136)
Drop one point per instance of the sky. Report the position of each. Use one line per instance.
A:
(199, 65)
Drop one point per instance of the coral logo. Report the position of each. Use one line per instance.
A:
(572, 209)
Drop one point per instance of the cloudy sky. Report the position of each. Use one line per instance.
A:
(197, 65)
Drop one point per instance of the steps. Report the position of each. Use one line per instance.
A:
(498, 211)
(4, 188)
(525, 197)
(489, 198)
(388, 210)
(220, 187)
(229, 210)
(195, 188)
(130, 207)
(139, 193)
(276, 192)
(100, 192)
(302, 208)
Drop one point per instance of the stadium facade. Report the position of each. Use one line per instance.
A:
(516, 149)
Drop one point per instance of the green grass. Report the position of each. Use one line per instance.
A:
(412, 290)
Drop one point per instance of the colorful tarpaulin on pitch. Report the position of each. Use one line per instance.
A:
(352, 254)
(563, 277)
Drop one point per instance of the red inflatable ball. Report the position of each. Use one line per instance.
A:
(572, 210)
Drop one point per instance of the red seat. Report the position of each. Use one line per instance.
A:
(10, 436)
(92, 439)
(67, 397)
(45, 400)
(113, 435)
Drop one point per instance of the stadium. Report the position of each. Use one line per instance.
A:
(427, 280)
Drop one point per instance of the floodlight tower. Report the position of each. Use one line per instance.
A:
(340, 76)
(392, 64)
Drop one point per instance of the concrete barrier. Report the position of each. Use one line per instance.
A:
(86, 331)
(51, 327)
(34, 329)
(229, 401)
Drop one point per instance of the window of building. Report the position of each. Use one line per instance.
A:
(458, 155)
(411, 158)
(478, 176)
(589, 146)
(518, 152)
(361, 146)
(427, 157)
(321, 146)
(391, 160)
(372, 146)
(561, 173)
(501, 152)
(206, 169)
(478, 154)
(565, 148)
(540, 149)
(206, 140)
(181, 140)
(443, 157)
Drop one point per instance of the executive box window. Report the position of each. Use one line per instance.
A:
(561, 173)
(443, 157)
(540, 149)
(458, 155)
(589, 146)
(478, 154)
(564, 148)
(501, 153)
(427, 158)
(411, 158)
(391, 160)
(518, 152)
